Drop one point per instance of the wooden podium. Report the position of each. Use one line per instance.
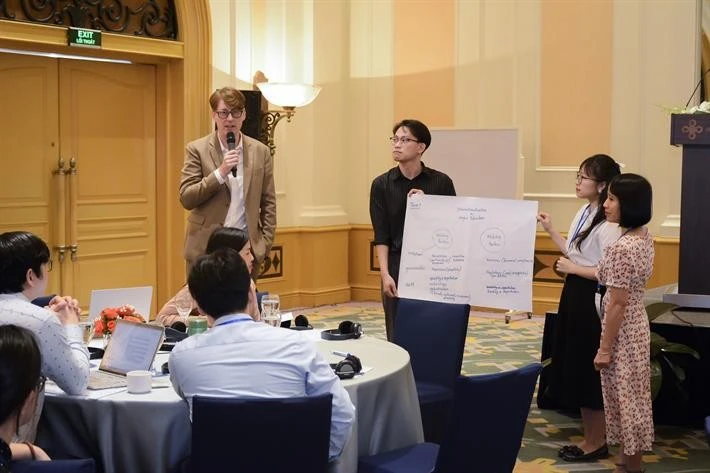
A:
(692, 132)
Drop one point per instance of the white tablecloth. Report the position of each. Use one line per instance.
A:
(151, 432)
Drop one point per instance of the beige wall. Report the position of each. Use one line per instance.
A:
(576, 77)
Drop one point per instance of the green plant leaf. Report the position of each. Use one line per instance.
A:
(656, 378)
(658, 308)
(677, 370)
(681, 349)
(657, 344)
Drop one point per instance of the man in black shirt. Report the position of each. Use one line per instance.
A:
(388, 204)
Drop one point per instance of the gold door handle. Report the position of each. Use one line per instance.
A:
(73, 246)
(73, 249)
(60, 168)
(61, 221)
(61, 250)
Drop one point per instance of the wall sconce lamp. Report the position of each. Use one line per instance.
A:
(286, 96)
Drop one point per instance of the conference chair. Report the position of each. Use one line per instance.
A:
(86, 465)
(487, 424)
(43, 301)
(288, 435)
(259, 297)
(434, 334)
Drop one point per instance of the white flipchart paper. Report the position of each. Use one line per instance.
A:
(469, 250)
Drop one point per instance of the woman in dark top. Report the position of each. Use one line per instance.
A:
(20, 383)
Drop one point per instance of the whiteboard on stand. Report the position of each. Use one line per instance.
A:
(481, 162)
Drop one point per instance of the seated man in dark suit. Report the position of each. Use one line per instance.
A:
(240, 357)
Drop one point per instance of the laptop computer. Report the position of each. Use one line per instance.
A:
(132, 347)
(139, 297)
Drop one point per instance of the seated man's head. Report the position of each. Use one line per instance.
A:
(220, 283)
(20, 378)
(24, 264)
(234, 238)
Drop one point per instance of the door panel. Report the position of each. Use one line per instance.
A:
(107, 124)
(29, 151)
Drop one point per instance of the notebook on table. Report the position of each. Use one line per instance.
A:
(139, 297)
(132, 347)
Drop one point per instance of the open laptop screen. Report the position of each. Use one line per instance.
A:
(139, 297)
(132, 347)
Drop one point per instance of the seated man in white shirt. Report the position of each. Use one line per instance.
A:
(24, 268)
(239, 357)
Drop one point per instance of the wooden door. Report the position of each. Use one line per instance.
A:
(107, 126)
(29, 150)
(99, 119)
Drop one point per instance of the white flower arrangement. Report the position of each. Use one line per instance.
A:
(704, 107)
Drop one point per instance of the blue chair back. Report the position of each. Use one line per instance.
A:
(259, 297)
(434, 334)
(487, 421)
(260, 435)
(43, 301)
(85, 465)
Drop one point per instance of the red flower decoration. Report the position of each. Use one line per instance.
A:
(106, 322)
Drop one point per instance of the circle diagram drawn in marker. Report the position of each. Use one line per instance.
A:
(442, 238)
(493, 240)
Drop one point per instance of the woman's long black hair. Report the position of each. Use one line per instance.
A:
(601, 168)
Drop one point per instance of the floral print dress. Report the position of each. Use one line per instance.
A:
(626, 383)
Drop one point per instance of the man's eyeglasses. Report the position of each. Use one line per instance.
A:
(403, 140)
(40, 383)
(580, 178)
(235, 112)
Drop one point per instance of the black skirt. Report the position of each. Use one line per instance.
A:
(573, 382)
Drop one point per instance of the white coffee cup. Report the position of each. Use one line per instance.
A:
(139, 381)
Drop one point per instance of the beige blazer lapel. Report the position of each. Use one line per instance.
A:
(215, 151)
(247, 156)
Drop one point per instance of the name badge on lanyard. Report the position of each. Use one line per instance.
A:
(580, 224)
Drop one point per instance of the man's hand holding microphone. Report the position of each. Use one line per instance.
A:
(231, 158)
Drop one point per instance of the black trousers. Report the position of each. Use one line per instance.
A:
(389, 304)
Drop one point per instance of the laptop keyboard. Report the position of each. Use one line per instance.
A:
(104, 380)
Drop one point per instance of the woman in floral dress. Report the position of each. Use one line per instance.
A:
(624, 350)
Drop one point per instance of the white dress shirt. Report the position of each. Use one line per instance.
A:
(592, 248)
(65, 360)
(238, 357)
(236, 213)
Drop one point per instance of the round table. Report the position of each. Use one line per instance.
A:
(151, 432)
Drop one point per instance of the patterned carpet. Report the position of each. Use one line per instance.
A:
(492, 345)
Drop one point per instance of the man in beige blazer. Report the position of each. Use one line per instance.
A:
(228, 187)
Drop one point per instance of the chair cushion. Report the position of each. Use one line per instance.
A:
(419, 458)
(86, 465)
(429, 392)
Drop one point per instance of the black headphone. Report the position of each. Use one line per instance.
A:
(348, 368)
(345, 331)
(301, 323)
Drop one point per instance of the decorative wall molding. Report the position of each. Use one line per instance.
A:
(148, 18)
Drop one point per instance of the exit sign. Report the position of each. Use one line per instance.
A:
(84, 38)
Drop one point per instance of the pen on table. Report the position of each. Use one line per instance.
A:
(341, 353)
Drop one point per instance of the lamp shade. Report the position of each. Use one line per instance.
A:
(288, 95)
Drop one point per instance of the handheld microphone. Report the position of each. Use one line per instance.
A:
(231, 144)
(702, 78)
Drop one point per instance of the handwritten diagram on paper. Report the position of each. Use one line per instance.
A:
(469, 250)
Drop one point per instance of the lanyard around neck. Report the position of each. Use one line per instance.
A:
(585, 214)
